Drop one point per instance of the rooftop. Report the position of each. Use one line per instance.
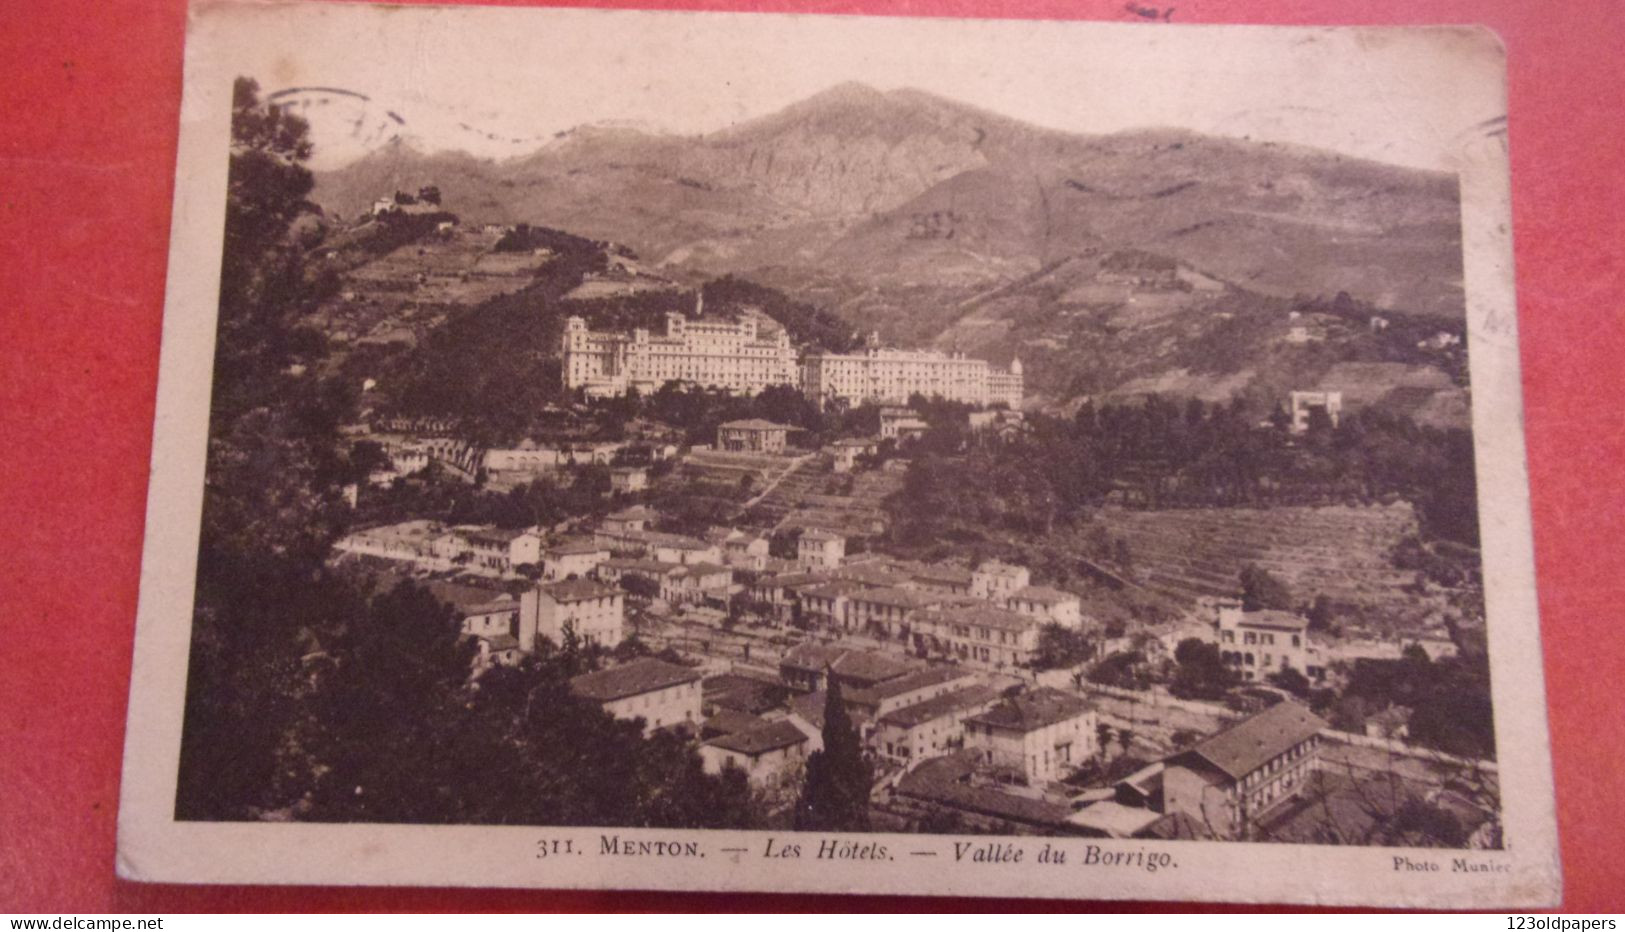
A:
(814, 533)
(635, 513)
(1256, 741)
(999, 568)
(810, 706)
(702, 570)
(1114, 819)
(851, 664)
(1033, 710)
(1271, 618)
(652, 567)
(727, 721)
(631, 679)
(470, 600)
(754, 423)
(1044, 595)
(986, 616)
(896, 597)
(921, 712)
(947, 780)
(910, 682)
(577, 590)
(492, 535)
(940, 572)
(574, 547)
(761, 739)
(498, 642)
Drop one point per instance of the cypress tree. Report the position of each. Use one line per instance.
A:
(836, 794)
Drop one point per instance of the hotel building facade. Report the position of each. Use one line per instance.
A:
(736, 357)
(891, 376)
(742, 358)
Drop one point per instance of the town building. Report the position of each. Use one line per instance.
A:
(930, 728)
(985, 636)
(807, 667)
(689, 551)
(901, 424)
(996, 581)
(636, 518)
(938, 577)
(690, 584)
(501, 549)
(577, 558)
(488, 617)
(1052, 606)
(891, 376)
(740, 357)
(752, 435)
(615, 571)
(1258, 644)
(1038, 736)
(662, 694)
(887, 611)
(844, 453)
(820, 550)
(767, 753)
(740, 549)
(826, 605)
(1304, 404)
(594, 611)
(1238, 776)
(628, 479)
(408, 541)
(911, 688)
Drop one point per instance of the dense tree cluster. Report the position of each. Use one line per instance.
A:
(1158, 454)
(308, 695)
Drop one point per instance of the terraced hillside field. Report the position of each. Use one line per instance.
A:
(1339, 551)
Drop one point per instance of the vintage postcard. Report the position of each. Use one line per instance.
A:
(701, 451)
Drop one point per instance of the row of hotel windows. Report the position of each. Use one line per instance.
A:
(1257, 637)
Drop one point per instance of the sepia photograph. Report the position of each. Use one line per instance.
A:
(756, 452)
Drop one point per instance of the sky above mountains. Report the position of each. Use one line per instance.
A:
(499, 83)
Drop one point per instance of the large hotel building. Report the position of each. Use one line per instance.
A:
(739, 358)
(890, 376)
(716, 354)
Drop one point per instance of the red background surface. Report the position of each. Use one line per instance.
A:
(90, 92)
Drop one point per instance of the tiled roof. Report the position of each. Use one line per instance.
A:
(987, 617)
(1033, 710)
(761, 739)
(728, 721)
(491, 535)
(1244, 748)
(471, 600)
(1271, 618)
(498, 642)
(846, 662)
(921, 712)
(870, 574)
(635, 513)
(946, 780)
(574, 547)
(631, 679)
(652, 567)
(832, 590)
(910, 682)
(755, 423)
(792, 580)
(820, 534)
(1043, 595)
(577, 590)
(896, 597)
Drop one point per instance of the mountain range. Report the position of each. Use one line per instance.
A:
(922, 217)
